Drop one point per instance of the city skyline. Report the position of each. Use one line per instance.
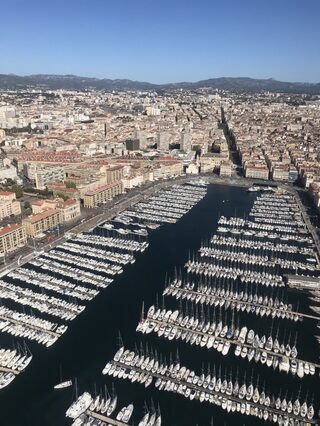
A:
(163, 43)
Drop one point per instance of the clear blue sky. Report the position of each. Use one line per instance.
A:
(163, 40)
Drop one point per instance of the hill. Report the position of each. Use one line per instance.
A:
(239, 84)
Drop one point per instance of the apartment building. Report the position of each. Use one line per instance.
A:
(280, 172)
(225, 169)
(38, 223)
(60, 189)
(256, 171)
(9, 205)
(70, 209)
(12, 237)
(167, 168)
(102, 194)
(44, 176)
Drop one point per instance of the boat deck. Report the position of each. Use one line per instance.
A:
(9, 370)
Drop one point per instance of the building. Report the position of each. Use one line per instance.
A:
(256, 171)
(192, 168)
(39, 206)
(60, 189)
(152, 111)
(12, 237)
(7, 111)
(167, 168)
(70, 209)
(9, 205)
(280, 172)
(293, 174)
(132, 144)
(163, 141)
(210, 162)
(44, 176)
(142, 137)
(102, 194)
(38, 223)
(225, 169)
(186, 141)
(112, 173)
(130, 182)
(7, 196)
(7, 170)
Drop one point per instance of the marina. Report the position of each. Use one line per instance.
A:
(209, 387)
(87, 409)
(12, 363)
(159, 275)
(214, 282)
(78, 270)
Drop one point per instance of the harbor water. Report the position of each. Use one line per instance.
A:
(93, 337)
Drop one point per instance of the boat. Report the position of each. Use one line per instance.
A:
(63, 385)
(254, 189)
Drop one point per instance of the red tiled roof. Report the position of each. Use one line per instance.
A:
(41, 215)
(102, 188)
(6, 193)
(9, 228)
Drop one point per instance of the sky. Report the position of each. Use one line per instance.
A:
(162, 41)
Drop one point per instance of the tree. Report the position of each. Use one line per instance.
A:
(27, 205)
(64, 197)
(17, 190)
(70, 184)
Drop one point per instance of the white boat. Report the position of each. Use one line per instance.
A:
(254, 189)
(63, 385)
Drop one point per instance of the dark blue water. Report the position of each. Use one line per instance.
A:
(92, 338)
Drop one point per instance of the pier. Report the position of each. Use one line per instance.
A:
(231, 299)
(32, 326)
(218, 395)
(232, 342)
(105, 419)
(9, 370)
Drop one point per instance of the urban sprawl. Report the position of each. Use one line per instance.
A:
(63, 152)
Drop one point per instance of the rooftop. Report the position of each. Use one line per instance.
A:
(9, 228)
(42, 215)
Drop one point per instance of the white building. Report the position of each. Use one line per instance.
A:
(163, 141)
(8, 172)
(7, 112)
(46, 175)
(186, 141)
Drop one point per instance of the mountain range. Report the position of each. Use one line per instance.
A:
(238, 84)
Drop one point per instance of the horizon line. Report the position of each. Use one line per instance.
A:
(159, 84)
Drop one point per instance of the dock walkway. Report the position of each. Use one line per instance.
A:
(35, 327)
(105, 419)
(217, 394)
(231, 341)
(9, 370)
(231, 299)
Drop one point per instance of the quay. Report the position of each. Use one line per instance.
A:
(232, 398)
(214, 297)
(105, 419)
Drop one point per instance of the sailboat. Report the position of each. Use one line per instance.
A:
(61, 384)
